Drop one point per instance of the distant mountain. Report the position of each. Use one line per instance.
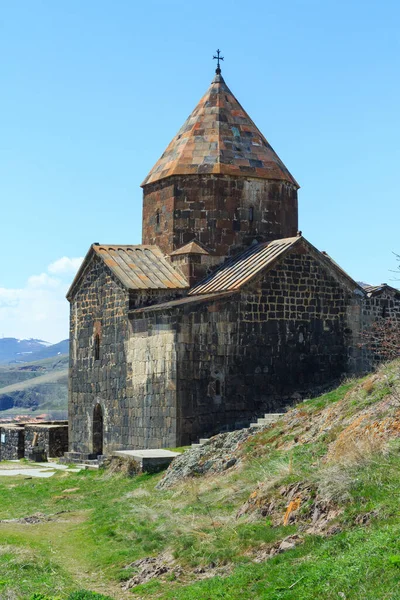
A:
(34, 387)
(23, 351)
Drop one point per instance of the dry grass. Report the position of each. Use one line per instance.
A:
(334, 483)
(355, 446)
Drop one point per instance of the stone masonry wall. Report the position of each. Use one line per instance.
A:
(99, 308)
(115, 380)
(385, 305)
(151, 358)
(158, 216)
(224, 213)
(53, 438)
(282, 338)
(296, 328)
(379, 313)
(11, 442)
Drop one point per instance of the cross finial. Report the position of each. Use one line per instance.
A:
(218, 58)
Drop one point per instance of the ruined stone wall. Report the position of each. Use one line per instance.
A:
(224, 213)
(385, 305)
(53, 438)
(381, 319)
(11, 442)
(99, 308)
(151, 357)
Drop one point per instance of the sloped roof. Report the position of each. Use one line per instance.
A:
(237, 271)
(232, 274)
(136, 267)
(180, 303)
(375, 290)
(219, 137)
(192, 247)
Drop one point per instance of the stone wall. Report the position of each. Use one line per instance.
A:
(52, 437)
(11, 442)
(381, 321)
(296, 328)
(151, 358)
(224, 213)
(98, 309)
(384, 305)
(283, 337)
(114, 380)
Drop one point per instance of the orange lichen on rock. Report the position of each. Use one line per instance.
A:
(293, 505)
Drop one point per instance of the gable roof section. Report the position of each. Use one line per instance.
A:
(375, 290)
(193, 247)
(219, 137)
(136, 267)
(237, 271)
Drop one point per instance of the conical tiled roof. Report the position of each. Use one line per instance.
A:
(219, 137)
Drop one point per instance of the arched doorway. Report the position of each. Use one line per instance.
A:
(97, 430)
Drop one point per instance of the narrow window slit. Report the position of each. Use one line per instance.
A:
(97, 347)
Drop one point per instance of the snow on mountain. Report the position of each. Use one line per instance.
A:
(14, 350)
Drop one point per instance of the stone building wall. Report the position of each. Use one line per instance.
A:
(11, 442)
(158, 215)
(52, 437)
(380, 313)
(98, 309)
(151, 357)
(283, 337)
(216, 211)
(297, 327)
(385, 305)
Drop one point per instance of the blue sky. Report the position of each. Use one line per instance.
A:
(92, 93)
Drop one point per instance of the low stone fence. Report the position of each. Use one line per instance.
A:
(16, 439)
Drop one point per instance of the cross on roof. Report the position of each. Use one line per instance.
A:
(218, 58)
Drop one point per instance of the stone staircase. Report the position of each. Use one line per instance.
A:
(201, 442)
(84, 461)
(267, 419)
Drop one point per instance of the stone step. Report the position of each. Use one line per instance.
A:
(267, 419)
(78, 456)
(201, 442)
(88, 465)
(150, 460)
(273, 416)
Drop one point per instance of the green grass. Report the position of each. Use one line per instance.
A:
(104, 522)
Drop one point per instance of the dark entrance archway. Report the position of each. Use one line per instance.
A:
(97, 430)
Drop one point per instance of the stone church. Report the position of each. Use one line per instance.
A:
(225, 312)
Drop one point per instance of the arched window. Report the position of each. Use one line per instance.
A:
(251, 214)
(97, 347)
(217, 387)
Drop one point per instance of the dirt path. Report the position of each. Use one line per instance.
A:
(58, 539)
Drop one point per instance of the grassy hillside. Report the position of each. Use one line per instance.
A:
(39, 386)
(308, 511)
